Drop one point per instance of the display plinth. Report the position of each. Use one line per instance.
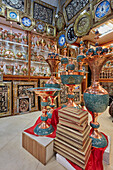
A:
(106, 155)
(40, 147)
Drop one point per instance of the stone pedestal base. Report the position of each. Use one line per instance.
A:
(40, 147)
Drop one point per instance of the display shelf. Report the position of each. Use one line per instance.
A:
(15, 77)
(13, 60)
(37, 62)
(15, 43)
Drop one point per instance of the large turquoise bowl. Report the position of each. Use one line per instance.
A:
(71, 79)
(96, 103)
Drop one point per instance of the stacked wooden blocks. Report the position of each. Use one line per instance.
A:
(72, 138)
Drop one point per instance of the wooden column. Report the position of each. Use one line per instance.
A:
(29, 55)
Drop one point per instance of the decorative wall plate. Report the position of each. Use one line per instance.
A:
(2, 10)
(12, 15)
(27, 23)
(60, 22)
(111, 3)
(70, 35)
(40, 26)
(102, 9)
(82, 24)
(61, 39)
(51, 30)
(17, 4)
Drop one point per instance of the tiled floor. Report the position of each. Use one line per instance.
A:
(14, 157)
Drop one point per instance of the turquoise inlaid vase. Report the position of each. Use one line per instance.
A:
(71, 79)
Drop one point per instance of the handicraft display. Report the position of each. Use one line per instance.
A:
(60, 23)
(82, 24)
(96, 98)
(72, 8)
(27, 22)
(40, 26)
(51, 30)
(2, 10)
(61, 39)
(12, 15)
(5, 99)
(22, 95)
(44, 12)
(70, 35)
(102, 9)
(17, 4)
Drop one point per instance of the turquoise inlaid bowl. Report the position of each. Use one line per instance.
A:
(90, 50)
(44, 103)
(70, 66)
(64, 61)
(71, 96)
(98, 49)
(71, 79)
(44, 118)
(80, 57)
(52, 85)
(99, 143)
(96, 103)
(41, 132)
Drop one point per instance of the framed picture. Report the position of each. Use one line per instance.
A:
(24, 104)
(101, 14)
(24, 100)
(1, 77)
(51, 30)
(77, 92)
(5, 99)
(44, 12)
(2, 10)
(108, 86)
(17, 4)
(63, 94)
(12, 15)
(71, 8)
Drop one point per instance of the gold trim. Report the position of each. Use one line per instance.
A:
(49, 32)
(84, 32)
(95, 7)
(9, 112)
(15, 95)
(8, 10)
(46, 5)
(77, 14)
(2, 12)
(23, 26)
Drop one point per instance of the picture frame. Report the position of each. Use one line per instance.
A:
(20, 5)
(51, 30)
(20, 92)
(21, 102)
(27, 22)
(12, 14)
(2, 10)
(5, 99)
(44, 12)
(72, 8)
(100, 16)
(1, 77)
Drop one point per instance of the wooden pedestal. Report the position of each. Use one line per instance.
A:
(40, 147)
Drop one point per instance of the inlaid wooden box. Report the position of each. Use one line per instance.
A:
(40, 147)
